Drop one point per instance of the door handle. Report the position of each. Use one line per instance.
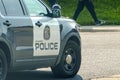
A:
(39, 24)
(7, 23)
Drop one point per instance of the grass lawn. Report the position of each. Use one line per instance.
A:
(108, 10)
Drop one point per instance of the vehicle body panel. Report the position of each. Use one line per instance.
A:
(23, 38)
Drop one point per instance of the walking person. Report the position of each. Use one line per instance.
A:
(89, 5)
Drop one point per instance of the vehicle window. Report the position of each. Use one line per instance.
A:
(2, 8)
(35, 8)
(13, 8)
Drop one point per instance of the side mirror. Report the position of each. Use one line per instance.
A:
(56, 10)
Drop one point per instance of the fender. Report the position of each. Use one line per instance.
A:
(68, 29)
(64, 42)
(10, 48)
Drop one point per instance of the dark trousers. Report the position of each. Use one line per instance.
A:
(52, 2)
(89, 5)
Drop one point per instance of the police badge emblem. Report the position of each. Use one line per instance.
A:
(47, 33)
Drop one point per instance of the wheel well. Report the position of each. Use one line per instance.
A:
(73, 38)
(6, 50)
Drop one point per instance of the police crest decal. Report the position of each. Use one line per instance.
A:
(47, 33)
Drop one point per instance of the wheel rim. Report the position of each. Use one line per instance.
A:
(70, 59)
(1, 69)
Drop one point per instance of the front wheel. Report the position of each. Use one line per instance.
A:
(3, 65)
(70, 61)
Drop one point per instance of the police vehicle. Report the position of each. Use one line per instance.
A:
(34, 36)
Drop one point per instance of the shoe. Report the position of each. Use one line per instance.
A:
(100, 22)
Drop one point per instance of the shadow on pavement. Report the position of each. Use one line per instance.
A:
(37, 75)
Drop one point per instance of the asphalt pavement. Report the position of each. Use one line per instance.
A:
(104, 28)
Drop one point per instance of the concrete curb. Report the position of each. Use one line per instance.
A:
(114, 77)
(105, 28)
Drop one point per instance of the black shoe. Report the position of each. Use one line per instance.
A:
(100, 22)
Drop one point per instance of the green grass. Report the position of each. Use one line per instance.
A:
(108, 10)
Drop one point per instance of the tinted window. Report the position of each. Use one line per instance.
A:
(35, 8)
(2, 8)
(13, 7)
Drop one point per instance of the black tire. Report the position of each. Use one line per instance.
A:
(3, 65)
(67, 68)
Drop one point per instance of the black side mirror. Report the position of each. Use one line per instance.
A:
(56, 10)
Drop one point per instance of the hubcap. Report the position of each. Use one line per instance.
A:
(69, 59)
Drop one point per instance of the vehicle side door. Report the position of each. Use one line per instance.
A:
(18, 30)
(46, 30)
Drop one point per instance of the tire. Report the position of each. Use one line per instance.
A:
(70, 61)
(3, 65)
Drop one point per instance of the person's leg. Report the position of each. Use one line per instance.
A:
(80, 7)
(90, 7)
